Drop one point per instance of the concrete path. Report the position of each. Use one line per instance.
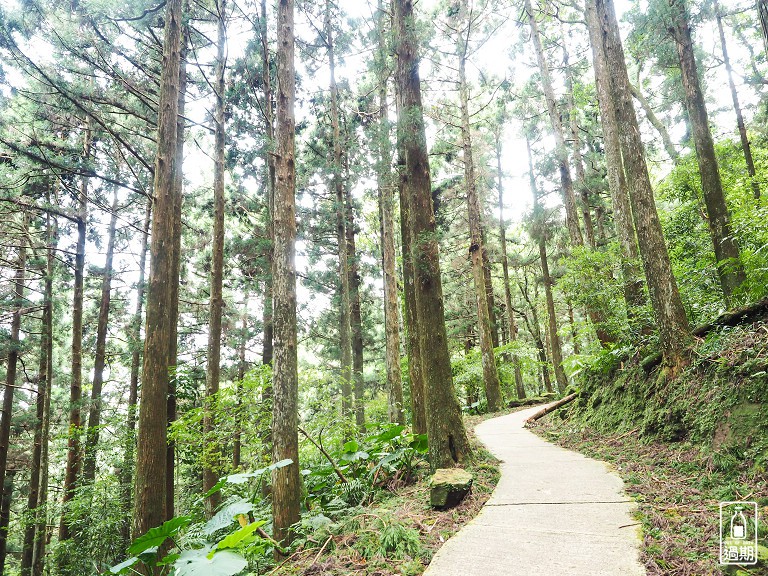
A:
(554, 512)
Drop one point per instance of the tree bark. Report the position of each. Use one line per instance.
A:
(448, 443)
(285, 481)
(519, 384)
(745, 145)
(729, 268)
(386, 188)
(566, 181)
(74, 456)
(344, 288)
(152, 453)
(476, 247)
(534, 327)
(242, 367)
(39, 467)
(6, 474)
(674, 330)
(355, 313)
(634, 292)
(213, 450)
(94, 413)
(129, 458)
(41, 514)
(178, 199)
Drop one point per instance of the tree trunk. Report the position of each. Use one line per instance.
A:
(94, 414)
(6, 474)
(448, 442)
(762, 12)
(386, 188)
(578, 161)
(269, 160)
(729, 268)
(556, 351)
(129, 458)
(566, 182)
(745, 145)
(519, 385)
(41, 514)
(355, 314)
(212, 450)
(75, 391)
(285, 481)
(534, 327)
(241, 369)
(674, 330)
(36, 501)
(655, 122)
(5, 514)
(574, 334)
(344, 288)
(152, 453)
(476, 247)
(178, 199)
(634, 292)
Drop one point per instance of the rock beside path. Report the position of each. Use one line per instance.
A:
(448, 487)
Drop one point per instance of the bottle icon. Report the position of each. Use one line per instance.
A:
(738, 525)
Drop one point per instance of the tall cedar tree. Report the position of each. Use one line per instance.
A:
(285, 481)
(476, 232)
(152, 450)
(213, 451)
(729, 268)
(674, 330)
(448, 442)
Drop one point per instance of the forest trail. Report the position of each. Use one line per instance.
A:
(553, 512)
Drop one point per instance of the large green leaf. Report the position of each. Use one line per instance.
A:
(236, 538)
(226, 516)
(120, 568)
(156, 536)
(197, 563)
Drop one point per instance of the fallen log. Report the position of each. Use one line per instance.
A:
(552, 407)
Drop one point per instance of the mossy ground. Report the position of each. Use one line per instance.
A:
(681, 445)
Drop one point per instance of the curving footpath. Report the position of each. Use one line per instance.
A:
(554, 512)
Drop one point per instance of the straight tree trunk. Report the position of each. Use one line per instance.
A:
(490, 297)
(386, 188)
(476, 247)
(534, 327)
(345, 303)
(269, 160)
(574, 334)
(415, 372)
(241, 369)
(729, 268)
(578, 160)
(674, 330)
(745, 145)
(285, 481)
(129, 458)
(39, 467)
(94, 413)
(634, 292)
(519, 385)
(152, 453)
(178, 199)
(213, 449)
(554, 340)
(41, 514)
(355, 313)
(448, 443)
(74, 455)
(6, 474)
(566, 181)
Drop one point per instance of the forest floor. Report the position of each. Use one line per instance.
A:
(398, 533)
(677, 487)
